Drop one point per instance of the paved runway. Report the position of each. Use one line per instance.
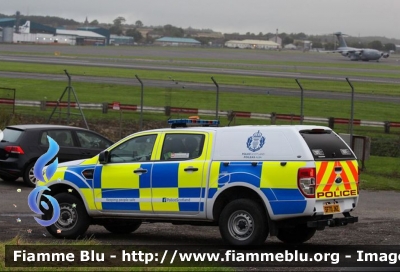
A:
(174, 53)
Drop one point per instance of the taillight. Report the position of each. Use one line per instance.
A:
(306, 181)
(358, 180)
(14, 149)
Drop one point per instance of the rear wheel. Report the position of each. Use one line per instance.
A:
(297, 235)
(123, 227)
(28, 176)
(243, 223)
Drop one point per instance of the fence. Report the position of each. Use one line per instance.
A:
(168, 110)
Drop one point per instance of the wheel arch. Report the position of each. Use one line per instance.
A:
(64, 187)
(31, 160)
(237, 191)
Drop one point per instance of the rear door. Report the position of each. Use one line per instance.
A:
(179, 177)
(64, 138)
(336, 165)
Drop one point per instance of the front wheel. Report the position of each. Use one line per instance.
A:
(73, 221)
(297, 235)
(243, 223)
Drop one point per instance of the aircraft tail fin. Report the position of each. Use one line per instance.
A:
(342, 42)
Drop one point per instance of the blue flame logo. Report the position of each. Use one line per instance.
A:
(38, 173)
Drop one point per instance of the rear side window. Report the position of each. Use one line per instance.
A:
(11, 135)
(62, 137)
(325, 145)
(182, 146)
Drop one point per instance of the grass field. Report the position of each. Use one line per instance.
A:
(28, 89)
(257, 81)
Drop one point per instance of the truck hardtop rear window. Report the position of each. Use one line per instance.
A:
(326, 145)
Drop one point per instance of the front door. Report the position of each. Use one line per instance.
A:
(123, 184)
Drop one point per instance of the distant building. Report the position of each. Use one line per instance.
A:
(252, 44)
(215, 35)
(276, 39)
(82, 37)
(305, 45)
(290, 46)
(25, 26)
(24, 31)
(121, 40)
(144, 30)
(172, 41)
(241, 37)
(99, 30)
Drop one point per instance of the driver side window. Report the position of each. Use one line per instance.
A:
(135, 149)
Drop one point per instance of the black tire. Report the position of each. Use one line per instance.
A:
(8, 179)
(123, 227)
(28, 176)
(243, 223)
(297, 235)
(73, 221)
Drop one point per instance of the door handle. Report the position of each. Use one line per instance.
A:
(191, 169)
(140, 171)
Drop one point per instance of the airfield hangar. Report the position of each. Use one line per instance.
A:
(172, 41)
(252, 44)
(16, 30)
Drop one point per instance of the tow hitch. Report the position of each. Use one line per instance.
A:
(333, 222)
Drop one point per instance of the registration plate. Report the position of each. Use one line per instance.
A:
(331, 208)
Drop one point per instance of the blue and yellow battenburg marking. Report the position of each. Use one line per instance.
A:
(167, 187)
(275, 181)
(173, 189)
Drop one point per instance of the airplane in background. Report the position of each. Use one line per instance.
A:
(355, 54)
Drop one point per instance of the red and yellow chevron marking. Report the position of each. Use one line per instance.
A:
(326, 187)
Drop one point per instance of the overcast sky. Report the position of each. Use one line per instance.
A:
(353, 17)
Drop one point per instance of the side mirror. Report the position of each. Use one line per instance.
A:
(104, 157)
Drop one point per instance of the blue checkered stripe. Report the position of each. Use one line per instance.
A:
(163, 178)
(282, 201)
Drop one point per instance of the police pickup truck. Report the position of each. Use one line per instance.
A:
(251, 181)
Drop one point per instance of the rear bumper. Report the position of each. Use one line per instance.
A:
(332, 222)
(10, 168)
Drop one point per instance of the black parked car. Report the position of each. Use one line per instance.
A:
(22, 145)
